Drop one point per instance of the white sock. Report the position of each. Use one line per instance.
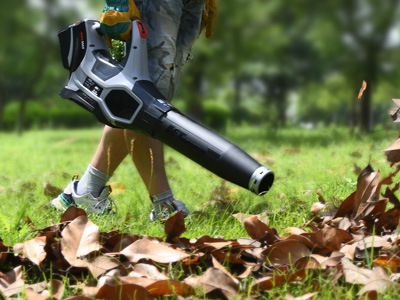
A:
(93, 181)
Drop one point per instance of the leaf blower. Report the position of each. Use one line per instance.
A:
(121, 94)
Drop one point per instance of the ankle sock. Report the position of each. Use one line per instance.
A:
(93, 181)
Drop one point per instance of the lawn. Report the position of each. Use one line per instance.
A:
(303, 160)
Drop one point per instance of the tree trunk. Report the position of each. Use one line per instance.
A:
(237, 98)
(194, 106)
(365, 110)
(1, 109)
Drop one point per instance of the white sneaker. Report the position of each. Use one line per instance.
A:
(168, 208)
(98, 205)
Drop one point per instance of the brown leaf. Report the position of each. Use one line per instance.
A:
(362, 89)
(286, 252)
(170, 287)
(175, 226)
(50, 190)
(366, 192)
(12, 283)
(259, 230)
(218, 266)
(42, 290)
(34, 250)
(392, 152)
(346, 208)
(72, 213)
(276, 279)
(146, 249)
(317, 207)
(214, 279)
(372, 242)
(294, 230)
(356, 275)
(394, 113)
(389, 193)
(307, 262)
(79, 238)
(388, 221)
(146, 270)
(124, 291)
(389, 262)
(379, 285)
(102, 264)
(241, 217)
(3, 252)
(118, 242)
(329, 238)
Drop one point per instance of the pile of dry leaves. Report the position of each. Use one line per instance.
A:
(356, 244)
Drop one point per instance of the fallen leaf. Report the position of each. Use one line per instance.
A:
(366, 192)
(175, 226)
(259, 230)
(214, 279)
(79, 238)
(394, 113)
(12, 283)
(116, 187)
(362, 89)
(286, 252)
(124, 291)
(146, 249)
(50, 190)
(34, 250)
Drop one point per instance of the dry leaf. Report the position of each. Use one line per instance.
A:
(124, 291)
(214, 279)
(259, 230)
(286, 252)
(366, 192)
(117, 187)
(394, 113)
(175, 226)
(50, 190)
(34, 250)
(12, 283)
(146, 249)
(392, 152)
(79, 238)
(362, 89)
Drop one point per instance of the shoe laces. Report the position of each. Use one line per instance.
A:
(108, 205)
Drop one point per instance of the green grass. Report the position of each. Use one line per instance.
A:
(303, 161)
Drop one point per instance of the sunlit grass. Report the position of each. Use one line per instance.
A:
(303, 161)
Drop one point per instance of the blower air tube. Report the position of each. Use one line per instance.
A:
(213, 152)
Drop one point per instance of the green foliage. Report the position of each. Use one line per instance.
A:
(38, 115)
(267, 54)
(216, 114)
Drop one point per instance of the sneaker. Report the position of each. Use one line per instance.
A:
(168, 208)
(98, 205)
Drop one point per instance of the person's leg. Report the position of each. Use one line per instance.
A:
(162, 20)
(109, 154)
(148, 157)
(91, 192)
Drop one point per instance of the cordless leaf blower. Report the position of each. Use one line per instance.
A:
(121, 94)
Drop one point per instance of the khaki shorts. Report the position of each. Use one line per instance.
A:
(173, 26)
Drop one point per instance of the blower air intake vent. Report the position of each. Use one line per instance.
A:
(121, 104)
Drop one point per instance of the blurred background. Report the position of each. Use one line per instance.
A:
(270, 63)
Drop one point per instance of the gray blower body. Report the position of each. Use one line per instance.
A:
(121, 94)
